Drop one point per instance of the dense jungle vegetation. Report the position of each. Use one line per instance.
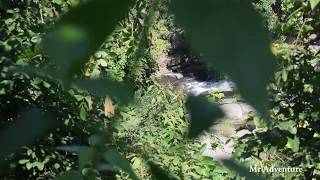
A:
(79, 97)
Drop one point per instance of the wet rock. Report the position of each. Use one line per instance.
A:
(312, 37)
(314, 48)
(174, 75)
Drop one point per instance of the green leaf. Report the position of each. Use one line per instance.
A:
(79, 97)
(288, 126)
(284, 75)
(23, 161)
(39, 165)
(57, 1)
(81, 32)
(86, 155)
(70, 175)
(203, 114)
(100, 54)
(241, 170)
(117, 160)
(158, 173)
(314, 3)
(23, 131)
(102, 63)
(231, 38)
(293, 144)
(29, 165)
(83, 113)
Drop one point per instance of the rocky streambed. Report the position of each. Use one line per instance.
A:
(218, 141)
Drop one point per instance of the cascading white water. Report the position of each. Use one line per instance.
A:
(196, 87)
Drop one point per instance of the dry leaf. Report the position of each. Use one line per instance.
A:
(108, 107)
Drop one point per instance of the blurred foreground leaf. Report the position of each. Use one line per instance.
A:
(241, 170)
(70, 149)
(103, 87)
(230, 36)
(31, 125)
(314, 3)
(81, 31)
(158, 173)
(86, 155)
(114, 158)
(70, 175)
(203, 114)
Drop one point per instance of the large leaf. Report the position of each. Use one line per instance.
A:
(114, 158)
(241, 170)
(86, 155)
(230, 37)
(70, 149)
(31, 125)
(158, 173)
(203, 114)
(70, 175)
(314, 3)
(294, 143)
(103, 87)
(288, 126)
(81, 31)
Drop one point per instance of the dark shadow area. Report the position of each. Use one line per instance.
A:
(185, 61)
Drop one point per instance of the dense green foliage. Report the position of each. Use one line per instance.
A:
(80, 114)
(23, 26)
(156, 126)
(292, 139)
(71, 60)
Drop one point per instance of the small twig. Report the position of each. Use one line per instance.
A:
(41, 15)
(56, 13)
(295, 43)
(293, 13)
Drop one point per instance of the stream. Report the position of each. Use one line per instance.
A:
(183, 71)
(235, 112)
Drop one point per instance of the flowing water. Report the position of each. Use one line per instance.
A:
(234, 111)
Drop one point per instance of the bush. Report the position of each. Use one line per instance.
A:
(156, 127)
(292, 138)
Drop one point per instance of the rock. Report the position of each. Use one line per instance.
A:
(236, 114)
(314, 48)
(312, 37)
(243, 132)
(174, 75)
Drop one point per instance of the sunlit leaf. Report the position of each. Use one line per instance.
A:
(158, 173)
(118, 161)
(31, 125)
(288, 126)
(314, 3)
(70, 175)
(203, 114)
(241, 170)
(39, 165)
(81, 31)
(229, 35)
(293, 144)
